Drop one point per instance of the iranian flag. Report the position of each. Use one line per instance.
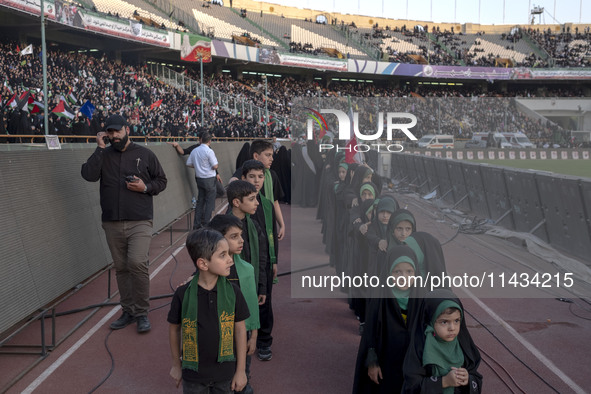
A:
(62, 110)
(194, 47)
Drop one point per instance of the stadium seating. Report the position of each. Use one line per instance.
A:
(225, 30)
(126, 10)
(299, 34)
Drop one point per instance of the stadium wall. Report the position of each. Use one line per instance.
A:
(555, 208)
(51, 238)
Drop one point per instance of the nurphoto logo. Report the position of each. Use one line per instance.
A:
(345, 127)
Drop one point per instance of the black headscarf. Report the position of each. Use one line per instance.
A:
(387, 333)
(243, 155)
(419, 379)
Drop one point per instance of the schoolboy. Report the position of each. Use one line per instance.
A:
(253, 171)
(207, 319)
(231, 228)
(262, 151)
(242, 198)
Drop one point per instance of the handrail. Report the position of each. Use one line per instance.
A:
(88, 139)
(262, 29)
(181, 81)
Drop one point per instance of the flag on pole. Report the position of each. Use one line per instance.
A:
(12, 101)
(71, 98)
(62, 110)
(7, 86)
(156, 104)
(87, 109)
(34, 106)
(28, 50)
(23, 101)
(351, 155)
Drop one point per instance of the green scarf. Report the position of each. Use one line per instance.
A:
(226, 305)
(367, 186)
(248, 286)
(253, 244)
(268, 186)
(412, 243)
(401, 295)
(268, 211)
(440, 354)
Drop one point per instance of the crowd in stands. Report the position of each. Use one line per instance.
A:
(110, 87)
(298, 47)
(136, 93)
(562, 48)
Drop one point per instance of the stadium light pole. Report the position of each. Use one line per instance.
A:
(266, 108)
(44, 63)
(202, 88)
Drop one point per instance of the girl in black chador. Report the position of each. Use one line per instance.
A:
(441, 357)
(386, 334)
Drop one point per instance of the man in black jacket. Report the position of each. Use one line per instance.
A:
(129, 176)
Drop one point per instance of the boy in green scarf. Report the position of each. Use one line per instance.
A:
(207, 331)
(253, 171)
(231, 228)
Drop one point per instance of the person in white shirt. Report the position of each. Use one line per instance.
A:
(203, 160)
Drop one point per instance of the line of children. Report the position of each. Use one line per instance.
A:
(365, 231)
(272, 224)
(253, 172)
(252, 228)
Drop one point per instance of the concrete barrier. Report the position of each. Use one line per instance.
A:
(51, 237)
(555, 208)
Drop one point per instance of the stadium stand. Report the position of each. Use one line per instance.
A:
(231, 24)
(131, 11)
(566, 49)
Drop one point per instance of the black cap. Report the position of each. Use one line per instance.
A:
(115, 122)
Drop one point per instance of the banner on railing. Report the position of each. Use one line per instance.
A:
(532, 73)
(269, 56)
(76, 16)
(195, 47)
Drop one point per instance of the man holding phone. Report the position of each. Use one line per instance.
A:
(129, 175)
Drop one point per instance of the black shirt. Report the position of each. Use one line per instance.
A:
(111, 166)
(263, 253)
(208, 336)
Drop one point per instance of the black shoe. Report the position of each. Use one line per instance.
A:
(143, 324)
(265, 354)
(125, 320)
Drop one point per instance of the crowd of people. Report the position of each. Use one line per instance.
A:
(157, 109)
(153, 107)
(561, 48)
(413, 340)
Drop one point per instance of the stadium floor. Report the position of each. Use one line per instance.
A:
(316, 340)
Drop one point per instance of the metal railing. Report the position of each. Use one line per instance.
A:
(237, 106)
